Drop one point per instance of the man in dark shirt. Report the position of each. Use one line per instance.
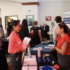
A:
(44, 29)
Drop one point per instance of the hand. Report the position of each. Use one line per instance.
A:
(17, 51)
(23, 50)
(52, 48)
(43, 28)
(28, 45)
(46, 55)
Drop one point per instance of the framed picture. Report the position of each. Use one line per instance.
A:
(9, 19)
(48, 18)
(30, 19)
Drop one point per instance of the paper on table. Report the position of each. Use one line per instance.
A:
(24, 68)
(51, 45)
(37, 48)
(29, 68)
(26, 40)
(47, 47)
(33, 68)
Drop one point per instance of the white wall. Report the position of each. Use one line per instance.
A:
(52, 8)
(33, 11)
(25, 0)
(10, 8)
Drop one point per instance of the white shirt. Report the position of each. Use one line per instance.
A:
(54, 33)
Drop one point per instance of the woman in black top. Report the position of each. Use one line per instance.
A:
(37, 34)
(24, 32)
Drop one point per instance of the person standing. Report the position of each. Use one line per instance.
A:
(15, 47)
(63, 46)
(1, 36)
(44, 29)
(58, 19)
(35, 34)
(51, 30)
(24, 32)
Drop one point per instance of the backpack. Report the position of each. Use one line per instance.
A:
(34, 32)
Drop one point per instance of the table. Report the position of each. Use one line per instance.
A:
(44, 51)
(29, 63)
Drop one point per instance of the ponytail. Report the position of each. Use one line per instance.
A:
(10, 26)
(69, 32)
(65, 27)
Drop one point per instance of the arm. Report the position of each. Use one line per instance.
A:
(63, 48)
(39, 33)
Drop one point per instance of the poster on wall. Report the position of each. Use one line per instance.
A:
(67, 21)
(9, 19)
(48, 18)
(66, 18)
(30, 19)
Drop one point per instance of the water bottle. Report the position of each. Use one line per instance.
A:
(29, 53)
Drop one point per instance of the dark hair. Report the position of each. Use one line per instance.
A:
(65, 27)
(8, 28)
(11, 24)
(58, 19)
(34, 22)
(24, 23)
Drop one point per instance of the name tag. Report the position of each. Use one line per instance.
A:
(18, 42)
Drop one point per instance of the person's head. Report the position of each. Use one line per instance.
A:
(44, 24)
(58, 19)
(9, 24)
(52, 23)
(35, 23)
(24, 23)
(15, 26)
(62, 28)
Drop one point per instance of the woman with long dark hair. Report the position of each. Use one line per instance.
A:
(63, 46)
(24, 32)
(15, 47)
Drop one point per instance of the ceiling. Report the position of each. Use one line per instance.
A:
(23, 1)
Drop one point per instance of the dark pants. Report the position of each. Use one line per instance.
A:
(64, 61)
(54, 53)
(16, 60)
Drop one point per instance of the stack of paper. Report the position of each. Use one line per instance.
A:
(51, 45)
(37, 48)
(30, 61)
(26, 41)
(47, 47)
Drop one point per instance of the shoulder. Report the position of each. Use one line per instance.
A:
(66, 38)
